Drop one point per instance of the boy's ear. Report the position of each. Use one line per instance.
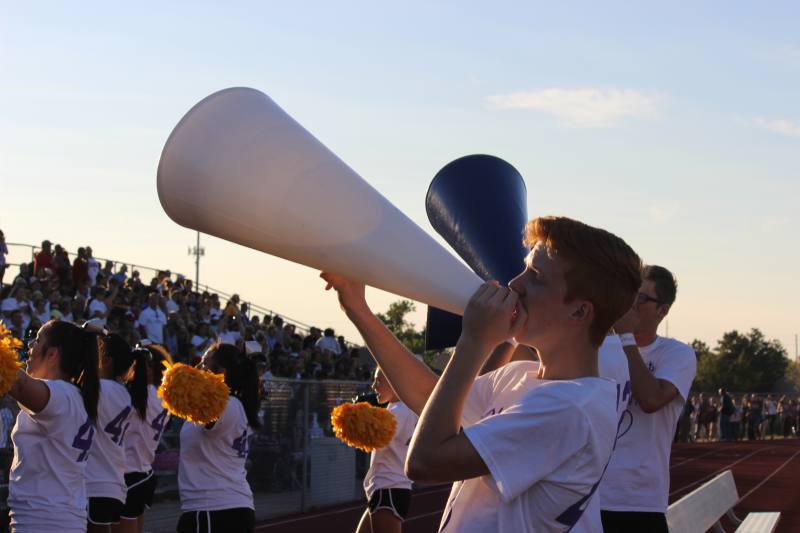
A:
(582, 310)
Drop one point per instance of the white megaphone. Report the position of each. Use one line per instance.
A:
(238, 167)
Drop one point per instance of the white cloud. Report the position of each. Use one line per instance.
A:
(581, 107)
(780, 125)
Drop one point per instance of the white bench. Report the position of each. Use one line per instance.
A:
(702, 509)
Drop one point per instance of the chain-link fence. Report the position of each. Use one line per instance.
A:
(295, 463)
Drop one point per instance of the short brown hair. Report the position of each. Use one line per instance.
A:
(599, 267)
(664, 281)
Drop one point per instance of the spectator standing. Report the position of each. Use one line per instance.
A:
(43, 259)
(703, 413)
(3, 254)
(771, 411)
(152, 320)
(80, 269)
(62, 265)
(735, 419)
(725, 412)
(121, 276)
(92, 267)
(754, 418)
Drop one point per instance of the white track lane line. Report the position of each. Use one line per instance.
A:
(751, 491)
(265, 527)
(695, 458)
(726, 467)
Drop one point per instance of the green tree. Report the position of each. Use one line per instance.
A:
(749, 362)
(395, 320)
(707, 364)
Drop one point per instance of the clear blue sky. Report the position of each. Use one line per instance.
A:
(677, 127)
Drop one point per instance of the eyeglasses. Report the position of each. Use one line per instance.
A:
(643, 298)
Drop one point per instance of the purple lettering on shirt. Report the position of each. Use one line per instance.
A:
(115, 427)
(84, 443)
(158, 424)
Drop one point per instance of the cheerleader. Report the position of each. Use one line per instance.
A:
(54, 431)
(387, 487)
(212, 481)
(105, 470)
(147, 423)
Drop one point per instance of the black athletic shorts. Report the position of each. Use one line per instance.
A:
(395, 500)
(141, 487)
(632, 522)
(104, 511)
(238, 520)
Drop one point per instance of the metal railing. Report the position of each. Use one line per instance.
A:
(302, 327)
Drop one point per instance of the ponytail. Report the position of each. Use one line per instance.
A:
(247, 389)
(159, 354)
(241, 377)
(123, 368)
(137, 385)
(78, 358)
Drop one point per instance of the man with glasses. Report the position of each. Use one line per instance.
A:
(634, 490)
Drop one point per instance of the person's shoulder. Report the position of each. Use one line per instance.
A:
(673, 347)
(399, 409)
(515, 368)
(574, 393)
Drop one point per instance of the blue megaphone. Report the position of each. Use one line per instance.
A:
(478, 203)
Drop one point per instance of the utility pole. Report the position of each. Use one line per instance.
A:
(795, 349)
(197, 251)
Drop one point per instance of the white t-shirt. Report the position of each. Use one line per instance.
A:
(612, 363)
(638, 475)
(545, 443)
(211, 473)
(98, 306)
(386, 466)
(93, 269)
(330, 344)
(143, 436)
(46, 486)
(153, 322)
(229, 337)
(105, 471)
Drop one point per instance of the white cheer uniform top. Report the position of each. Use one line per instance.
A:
(46, 490)
(545, 443)
(638, 475)
(387, 465)
(143, 436)
(211, 473)
(105, 471)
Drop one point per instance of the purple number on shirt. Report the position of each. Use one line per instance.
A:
(115, 427)
(241, 445)
(82, 442)
(158, 424)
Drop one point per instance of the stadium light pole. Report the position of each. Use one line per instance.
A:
(197, 251)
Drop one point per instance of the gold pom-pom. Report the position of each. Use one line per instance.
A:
(363, 426)
(196, 395)
(9, 359)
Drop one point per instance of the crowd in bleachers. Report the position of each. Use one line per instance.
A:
(164, 309)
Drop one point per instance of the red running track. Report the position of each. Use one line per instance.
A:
(767, 475)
